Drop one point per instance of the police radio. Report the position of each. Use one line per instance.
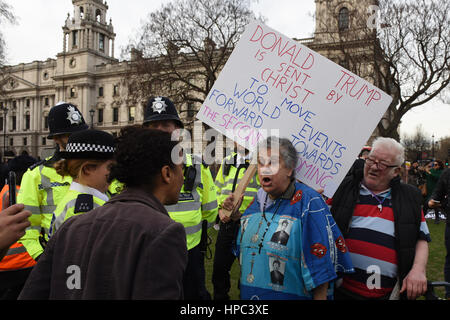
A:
(12, 187)
(189, 178)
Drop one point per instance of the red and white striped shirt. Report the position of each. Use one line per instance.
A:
(371, 243)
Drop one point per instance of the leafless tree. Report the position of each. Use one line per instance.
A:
(6, 15)
(182, 47)
(416, 143)
(443, 150)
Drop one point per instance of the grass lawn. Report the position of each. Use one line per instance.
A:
(435, 268)
(235, 270)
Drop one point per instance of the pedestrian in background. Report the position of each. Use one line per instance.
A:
(433, 172)
(440, 199)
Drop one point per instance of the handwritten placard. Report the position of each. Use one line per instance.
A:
(272, 82)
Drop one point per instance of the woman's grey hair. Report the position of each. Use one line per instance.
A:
(392, 146)
(287, 151)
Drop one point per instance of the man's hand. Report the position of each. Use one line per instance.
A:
(13, 222)
(433, 204)
(415, 283)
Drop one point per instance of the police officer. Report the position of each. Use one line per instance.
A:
(87, 159)
(230, 173)
(42, 187)
(17, 263)
(197, 205)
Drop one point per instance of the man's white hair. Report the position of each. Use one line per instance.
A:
(392, 146)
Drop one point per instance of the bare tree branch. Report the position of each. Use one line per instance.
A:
(182, 48)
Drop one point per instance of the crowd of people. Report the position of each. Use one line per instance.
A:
(425, 177)
(120, 218)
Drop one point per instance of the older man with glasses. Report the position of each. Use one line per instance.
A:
(384, 228)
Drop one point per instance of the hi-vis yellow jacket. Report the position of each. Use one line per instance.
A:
(228, 178)
(40, 191)
(79, 199)
(197, 201)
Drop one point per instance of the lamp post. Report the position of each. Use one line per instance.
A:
(432, 146)
(92, 112)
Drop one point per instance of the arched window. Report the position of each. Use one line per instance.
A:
(343, 19)
(101, 42)
(98, 15)
(81, 12)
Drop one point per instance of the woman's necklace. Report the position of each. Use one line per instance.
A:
(255, 237)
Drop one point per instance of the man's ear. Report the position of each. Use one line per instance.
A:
(166, 174)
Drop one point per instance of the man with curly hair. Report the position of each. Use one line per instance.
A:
(129, 248)
(197, 207)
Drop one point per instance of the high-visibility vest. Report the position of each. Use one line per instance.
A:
(41, 190)
(79, 199)
(17, 256)
(197, 201)
(228, 177)
(4, 195)
(115, 187)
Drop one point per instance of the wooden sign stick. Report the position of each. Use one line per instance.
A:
(240, 189)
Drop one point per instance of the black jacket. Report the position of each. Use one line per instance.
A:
(406, 205)
(442, 192)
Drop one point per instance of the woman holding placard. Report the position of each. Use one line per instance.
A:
(289, 245)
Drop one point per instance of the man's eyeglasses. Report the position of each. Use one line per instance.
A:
(380, 165)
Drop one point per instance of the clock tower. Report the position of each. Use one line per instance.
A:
(88, 42)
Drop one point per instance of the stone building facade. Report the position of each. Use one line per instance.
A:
(87, 74)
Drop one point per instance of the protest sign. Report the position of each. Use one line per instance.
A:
(273, 82)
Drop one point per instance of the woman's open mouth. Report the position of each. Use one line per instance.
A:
(266, 181)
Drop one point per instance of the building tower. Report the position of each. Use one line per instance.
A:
(345, 32)
(337, 19)
(88, 42)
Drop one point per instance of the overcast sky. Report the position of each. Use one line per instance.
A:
(38, 35)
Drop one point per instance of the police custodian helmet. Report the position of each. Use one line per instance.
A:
(161, 108)
(89, 144)
(65, 118)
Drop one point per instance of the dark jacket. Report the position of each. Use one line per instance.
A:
(406, 205)
(127, 249)
(442, 192)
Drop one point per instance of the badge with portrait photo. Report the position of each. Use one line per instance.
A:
(283, 231)
(277, 268)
